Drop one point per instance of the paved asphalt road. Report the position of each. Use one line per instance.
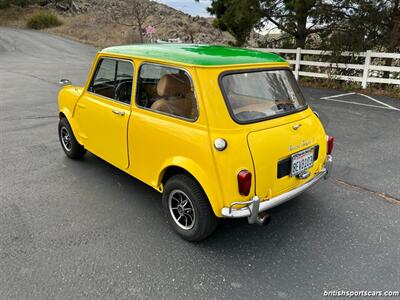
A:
(75, 229)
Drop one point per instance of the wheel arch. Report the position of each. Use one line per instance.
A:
(65, 113)
(61, 115)
(190, 168)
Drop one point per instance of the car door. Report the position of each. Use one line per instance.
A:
(166, 124)
(104, 110)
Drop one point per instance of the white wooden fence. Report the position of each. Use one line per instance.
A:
(369, 72)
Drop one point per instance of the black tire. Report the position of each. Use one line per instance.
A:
(204, 222)
(68, 141)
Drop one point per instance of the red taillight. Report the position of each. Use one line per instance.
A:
(244, 182)
(330, 144)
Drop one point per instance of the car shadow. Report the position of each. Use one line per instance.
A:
(142, 200)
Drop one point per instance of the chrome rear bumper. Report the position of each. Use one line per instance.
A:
(255, 206)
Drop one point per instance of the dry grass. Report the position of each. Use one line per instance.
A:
(17, 17)
(88, 28)
(96, 28)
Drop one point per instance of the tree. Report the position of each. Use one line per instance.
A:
(365, 25)
(298, 19)
(301, 19)
(352, 22)
(238, 17)
(393, 33)
(133, 13)
(393, 28)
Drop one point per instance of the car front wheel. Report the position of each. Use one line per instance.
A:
(68, 141)
(188, 209)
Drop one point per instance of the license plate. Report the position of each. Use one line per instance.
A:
(302, 161)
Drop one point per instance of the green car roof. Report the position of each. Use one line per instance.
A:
(201, 55)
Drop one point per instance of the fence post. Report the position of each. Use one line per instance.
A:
(364, 82)
(297, 65)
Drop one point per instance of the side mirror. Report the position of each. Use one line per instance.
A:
(64, 82)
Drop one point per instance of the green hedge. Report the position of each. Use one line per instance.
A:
(43, 20)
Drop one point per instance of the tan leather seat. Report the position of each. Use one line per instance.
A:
(260, 107)
(173, 85)
(176, 96)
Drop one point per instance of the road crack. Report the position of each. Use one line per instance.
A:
(30, 118)
(382, 195)
(39, 117)
(31, 76)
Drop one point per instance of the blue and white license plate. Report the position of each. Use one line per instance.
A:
(302, 161)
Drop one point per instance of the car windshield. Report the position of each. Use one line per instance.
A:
(256, 95)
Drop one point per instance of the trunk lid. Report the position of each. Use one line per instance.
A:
(271, 149)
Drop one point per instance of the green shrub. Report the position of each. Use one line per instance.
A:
(43, 20)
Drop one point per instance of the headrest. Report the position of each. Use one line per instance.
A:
(173, 85)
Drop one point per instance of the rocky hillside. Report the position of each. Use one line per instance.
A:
(103, 23)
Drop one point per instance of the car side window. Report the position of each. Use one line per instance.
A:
(166, 89)
(113, 79)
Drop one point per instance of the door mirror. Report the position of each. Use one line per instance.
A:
(64, 82)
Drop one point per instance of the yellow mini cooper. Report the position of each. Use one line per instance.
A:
(221, 132)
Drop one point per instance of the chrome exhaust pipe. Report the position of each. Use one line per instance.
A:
(257, 217)
(263, 218)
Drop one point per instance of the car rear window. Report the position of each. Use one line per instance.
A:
(257, 95)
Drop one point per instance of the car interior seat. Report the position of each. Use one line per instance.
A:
(176, 96)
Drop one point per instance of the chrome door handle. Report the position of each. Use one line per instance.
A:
(118, 112)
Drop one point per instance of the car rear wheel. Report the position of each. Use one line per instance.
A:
(68, 141)
(188, 209)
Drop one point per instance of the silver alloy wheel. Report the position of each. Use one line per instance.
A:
(65, 138)
(181, 209)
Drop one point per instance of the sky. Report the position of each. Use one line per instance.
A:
(189, 6)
